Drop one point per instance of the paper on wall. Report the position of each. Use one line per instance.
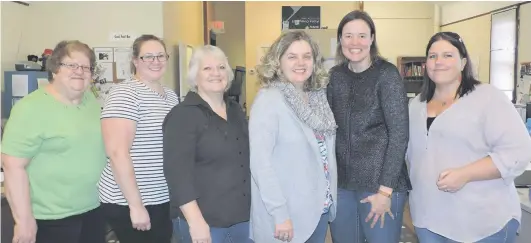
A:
(122, 54)
(19, 84)
(333, 46)
(104, 54)
(122, 57)
(41, 82)
(123, 70)
(108, 72)
(122, 36)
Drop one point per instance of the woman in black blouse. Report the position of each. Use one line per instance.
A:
(206, 156)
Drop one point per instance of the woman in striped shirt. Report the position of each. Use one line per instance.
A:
(133, 189)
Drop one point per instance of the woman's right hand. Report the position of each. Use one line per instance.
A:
(200, 233)
(284, 231)
(140, 218)
(25, 232)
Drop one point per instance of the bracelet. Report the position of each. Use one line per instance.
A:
(384, 193)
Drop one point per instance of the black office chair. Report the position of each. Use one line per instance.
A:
(235, 89)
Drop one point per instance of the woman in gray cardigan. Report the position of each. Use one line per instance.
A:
(292, 136)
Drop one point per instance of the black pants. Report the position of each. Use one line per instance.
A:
(88, 227)
(119, 219)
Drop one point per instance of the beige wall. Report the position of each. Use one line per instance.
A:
(11, 34)
(459, 10)
(43, 24)
(263, 25)
(405, 30)
(524, 42)
(476, 35)
(232, 42)
(46, 23)
(183, 23)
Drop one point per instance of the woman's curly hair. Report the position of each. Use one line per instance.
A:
(269, 69)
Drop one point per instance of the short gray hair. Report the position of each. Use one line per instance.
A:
(197, 56)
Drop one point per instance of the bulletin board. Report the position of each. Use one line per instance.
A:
(113, 65)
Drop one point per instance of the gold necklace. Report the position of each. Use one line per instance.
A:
(444, 103)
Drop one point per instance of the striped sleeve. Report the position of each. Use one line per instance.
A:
(122, 102)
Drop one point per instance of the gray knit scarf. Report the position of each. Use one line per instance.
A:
(316, 113)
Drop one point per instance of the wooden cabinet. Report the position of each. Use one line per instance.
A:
(412, 71)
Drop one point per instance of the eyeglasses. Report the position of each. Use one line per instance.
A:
(75, 66)
(151, 58)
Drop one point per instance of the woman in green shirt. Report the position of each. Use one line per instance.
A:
(53, 154)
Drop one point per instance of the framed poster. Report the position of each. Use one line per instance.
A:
(301, 17)
(104, 54)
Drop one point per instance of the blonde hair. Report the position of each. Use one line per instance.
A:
(195, 61)
(269, 70)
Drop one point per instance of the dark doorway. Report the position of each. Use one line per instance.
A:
(212, 38)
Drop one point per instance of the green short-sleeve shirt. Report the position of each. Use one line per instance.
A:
(66, 151)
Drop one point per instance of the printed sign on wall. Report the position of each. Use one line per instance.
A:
(301, 17)
(122, 36)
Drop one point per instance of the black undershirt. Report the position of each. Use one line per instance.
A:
(430, 121)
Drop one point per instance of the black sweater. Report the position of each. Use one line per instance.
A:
(371, 111)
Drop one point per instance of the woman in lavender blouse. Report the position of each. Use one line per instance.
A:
(467, 144)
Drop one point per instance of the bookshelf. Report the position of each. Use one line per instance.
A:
(412, 69)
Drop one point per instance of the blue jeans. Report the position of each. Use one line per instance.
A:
(319, 234)
(238, 233)
(505, 235)
(350, 226)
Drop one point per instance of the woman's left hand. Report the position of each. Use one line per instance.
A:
(380, 206)
(452, 180)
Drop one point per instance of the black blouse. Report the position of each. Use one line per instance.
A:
(206, 158)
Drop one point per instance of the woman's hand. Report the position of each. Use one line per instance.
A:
(284, 231)
(380, 206)
(452, 180)
(140, 218)
(200, 232)
(25, 232)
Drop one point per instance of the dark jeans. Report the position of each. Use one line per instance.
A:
(119, 219)
(238, 233)
(319, 235)
(505, 235)
(87, 227)
(350, 226)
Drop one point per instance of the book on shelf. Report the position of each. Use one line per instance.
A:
(412, 68)
(414, 71)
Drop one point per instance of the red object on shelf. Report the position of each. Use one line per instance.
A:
(47, 52)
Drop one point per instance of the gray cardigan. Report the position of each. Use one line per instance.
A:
(288, 180)
(482, 123)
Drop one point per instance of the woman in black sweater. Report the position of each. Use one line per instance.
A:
(368, 98)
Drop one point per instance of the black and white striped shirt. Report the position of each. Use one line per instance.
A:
(135, 101)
